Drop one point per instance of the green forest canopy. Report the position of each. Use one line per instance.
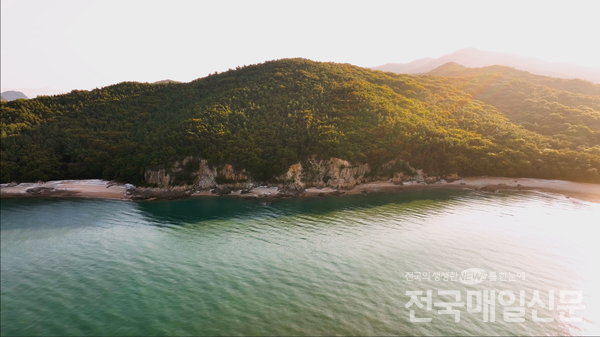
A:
(493, 121)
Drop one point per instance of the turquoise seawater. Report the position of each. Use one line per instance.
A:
(336, 266)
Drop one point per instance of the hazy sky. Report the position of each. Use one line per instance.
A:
(87, 44)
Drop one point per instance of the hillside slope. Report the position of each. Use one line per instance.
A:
(263, 118)
(568, 110)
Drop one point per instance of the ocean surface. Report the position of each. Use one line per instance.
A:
(347, 265)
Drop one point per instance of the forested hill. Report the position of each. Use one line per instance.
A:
(565, 109)
(265, 117)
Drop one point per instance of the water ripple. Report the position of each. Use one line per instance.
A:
(224, 266)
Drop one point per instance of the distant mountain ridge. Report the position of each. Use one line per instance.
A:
(35, 92)
(472, 57)
(166, 81)
(405, 68)
(574, 85)
(11, 95)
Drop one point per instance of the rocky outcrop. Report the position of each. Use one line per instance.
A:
(293, 176)
(228, 175)
(39, 190)
(291, 191)
(223, 190)
(205, 176)
(335, 173)
(197, 175)
(144, 193)
(452, 177)
(341, 174)
(160, 178)
(165, 178)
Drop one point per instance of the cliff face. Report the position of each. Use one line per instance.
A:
(335, 173)
(165, 178)
(197, 174)
(159, 178)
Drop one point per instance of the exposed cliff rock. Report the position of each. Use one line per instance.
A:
(196, 174)
(341, 174)
(293, 176)
(159, 178)
(335, 173)
(228, 175)
(291, 191)
(206, 177)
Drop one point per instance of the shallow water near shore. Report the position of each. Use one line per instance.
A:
(335, 266)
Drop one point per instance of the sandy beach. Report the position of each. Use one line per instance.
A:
(93, 188)
(96, 188)
(584, 191)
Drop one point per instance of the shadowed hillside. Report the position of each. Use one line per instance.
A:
(568, 110)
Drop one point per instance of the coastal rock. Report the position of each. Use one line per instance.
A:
(334, 172)
(293, 176)
(418, 177)
(197, 172)
(39, 190)
(222, 190)
(431, 180)
(339, 174)
(291, 191)
(160, 178)
(129, 189)
(228, 174)
(206, 176)
(452, 177)
(488, 188)
(143, 193)
(399, 178)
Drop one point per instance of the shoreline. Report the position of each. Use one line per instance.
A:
(92, 188)
(102, 189)
(583, 191)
